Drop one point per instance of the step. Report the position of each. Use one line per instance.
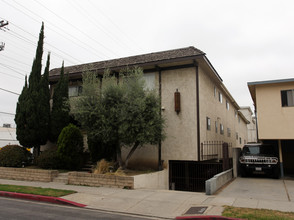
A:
(61, 178)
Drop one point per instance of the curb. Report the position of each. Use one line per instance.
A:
(50, 199)
(208, 217)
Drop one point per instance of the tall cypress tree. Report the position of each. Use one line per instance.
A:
(34, 105)
(44, 104)
(21, 117)
(60, 107)
(33, 119)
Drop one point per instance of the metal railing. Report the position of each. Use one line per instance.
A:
(213, 150)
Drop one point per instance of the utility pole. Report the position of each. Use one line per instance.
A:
(2, 27)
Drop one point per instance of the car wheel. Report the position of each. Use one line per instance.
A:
(276, 173)
(243, 172)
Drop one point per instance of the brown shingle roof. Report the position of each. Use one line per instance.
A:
(144, 59)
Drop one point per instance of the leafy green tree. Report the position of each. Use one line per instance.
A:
(60, 107)
(32, 110)
(122, 114)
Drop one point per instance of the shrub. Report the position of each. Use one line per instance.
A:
(49, 159)
(103, 167)
(70, 147)
(14, 156)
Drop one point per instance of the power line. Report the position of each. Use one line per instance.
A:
(11, 76)
(47, 43)
(100, 27)
(7, 113)
(69, 23)
(118, 28)
(88, 48)
(12, 69)
(7, 140)
(9, 91)
(12, 59)
(45, 48)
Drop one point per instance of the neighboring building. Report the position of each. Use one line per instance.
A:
(274, 103)
(208, 112)
(7, 135)
(251, 127)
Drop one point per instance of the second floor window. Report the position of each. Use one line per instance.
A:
(220, 97)
(208, 126)
(74, 90)
(287, 98)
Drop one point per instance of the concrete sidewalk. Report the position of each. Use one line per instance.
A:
(169, 204)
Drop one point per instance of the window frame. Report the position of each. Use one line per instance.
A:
(220, 97)
(285, 99)
(208, 124)
(221, 128)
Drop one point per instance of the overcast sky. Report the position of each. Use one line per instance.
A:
(244, 40)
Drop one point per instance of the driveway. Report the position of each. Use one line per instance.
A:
(261, 193)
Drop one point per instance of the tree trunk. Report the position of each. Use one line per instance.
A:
(119, 158)
(36, 153)
(131, 153)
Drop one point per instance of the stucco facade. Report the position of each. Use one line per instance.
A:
(190, 72)
(274, 103)
(274, 120)
(251, 127)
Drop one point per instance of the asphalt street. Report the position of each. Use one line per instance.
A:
(27, 210)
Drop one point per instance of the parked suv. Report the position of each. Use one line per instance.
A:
(259, 159)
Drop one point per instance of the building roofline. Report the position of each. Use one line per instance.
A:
(252, 86)
(271, 81)
(149, 59)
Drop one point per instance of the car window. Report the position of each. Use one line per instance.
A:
(256, 150)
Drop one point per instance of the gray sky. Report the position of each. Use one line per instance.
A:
(244, 40)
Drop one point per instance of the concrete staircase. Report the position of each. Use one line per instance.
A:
(61, 178)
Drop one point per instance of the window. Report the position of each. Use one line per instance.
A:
(74, 91)
(149, 81)
(220, 97)
(237, 136)
(214, 91)
(240, 140)
(287, 98)
(208, 126)
(215, 126)
(227, 105)
(229, 132)
(236, 113)
(221, 129)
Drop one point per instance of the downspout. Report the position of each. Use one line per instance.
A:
(256, 125)
(159, 142)
(197, 110)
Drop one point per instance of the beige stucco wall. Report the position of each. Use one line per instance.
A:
(217, 111)
(181, 129)
(274, 121)
(251, 127)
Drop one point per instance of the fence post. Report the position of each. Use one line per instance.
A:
(226, 165)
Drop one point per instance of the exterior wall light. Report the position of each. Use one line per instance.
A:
(177, 101)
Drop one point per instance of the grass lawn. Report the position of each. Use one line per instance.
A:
(256, 214)
(36, 190)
